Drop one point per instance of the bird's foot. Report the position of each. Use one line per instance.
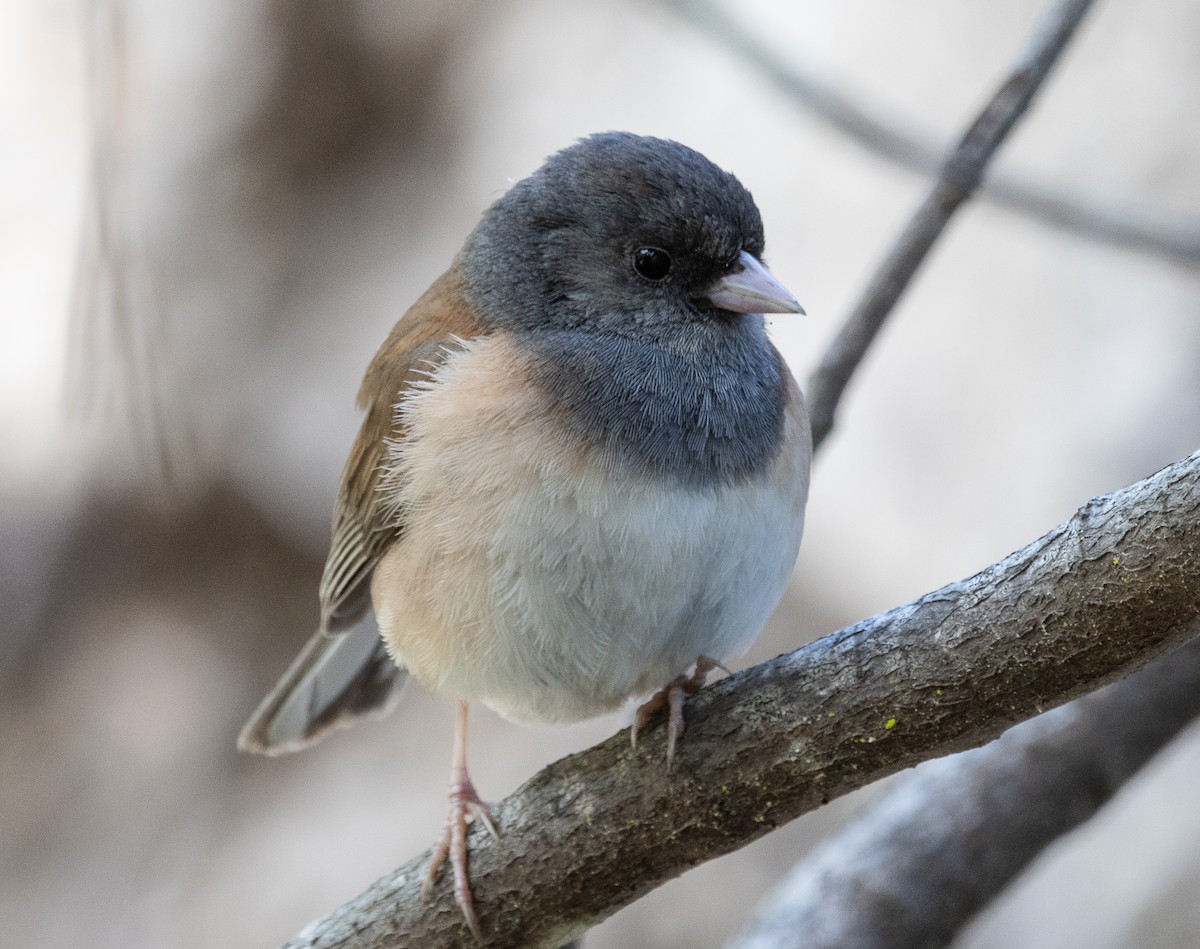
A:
(465, 803)
(671, 696)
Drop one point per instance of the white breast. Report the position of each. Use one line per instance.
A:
(553, 586)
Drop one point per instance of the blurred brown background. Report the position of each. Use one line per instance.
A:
(247, 195)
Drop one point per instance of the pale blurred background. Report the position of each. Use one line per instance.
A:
(279, 180)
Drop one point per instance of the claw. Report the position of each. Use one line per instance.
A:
(481, 811)
(465, 803)
(645, 713)
(672, 696)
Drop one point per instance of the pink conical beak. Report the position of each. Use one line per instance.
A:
(750, 288)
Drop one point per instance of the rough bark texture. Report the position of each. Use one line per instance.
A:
(1091, 601)
(914, 868)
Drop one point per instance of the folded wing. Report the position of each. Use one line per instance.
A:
(343, 671)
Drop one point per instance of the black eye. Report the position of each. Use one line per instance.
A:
(651, 262)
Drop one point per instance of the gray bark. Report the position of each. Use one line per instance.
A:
(913, 869)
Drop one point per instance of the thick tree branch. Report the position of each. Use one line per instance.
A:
(1096, 598)
(1137, 228)
(921, 861)
(957, 181)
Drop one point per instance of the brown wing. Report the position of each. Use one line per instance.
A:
(363, 527)
(343, 671)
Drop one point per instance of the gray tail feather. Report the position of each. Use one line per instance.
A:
(335, 679)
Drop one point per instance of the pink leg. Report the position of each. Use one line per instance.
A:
(464, 802)
(671, 696)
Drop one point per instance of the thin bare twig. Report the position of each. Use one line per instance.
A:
(1134, 227)
(957, 181)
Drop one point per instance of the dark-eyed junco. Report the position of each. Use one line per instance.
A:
(582, 470)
